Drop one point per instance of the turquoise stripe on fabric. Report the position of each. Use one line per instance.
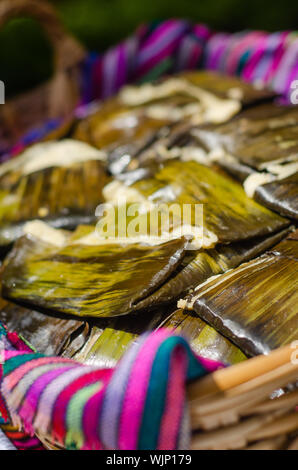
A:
(13, 363)
(156, 393)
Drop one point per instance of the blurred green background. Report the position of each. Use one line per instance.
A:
(25, 56)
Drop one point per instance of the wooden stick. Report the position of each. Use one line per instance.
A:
(225, 379)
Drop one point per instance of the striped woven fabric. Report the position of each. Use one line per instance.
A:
(268, 59)
(171, 46)
(12, 438)
(138, 405)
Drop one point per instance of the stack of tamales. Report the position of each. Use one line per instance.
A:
(227, 279)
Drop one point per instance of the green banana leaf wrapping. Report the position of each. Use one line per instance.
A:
(280, 196)
(229, 215)
(256, 136)
(196, 268)
(140, 115)
(259, 144)
(110, 338)
(48, 334)
(32, 187)
(204, 339)
(88, 280)
(254, 305)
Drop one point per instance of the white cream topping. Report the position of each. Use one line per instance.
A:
(212, 109)
(254, 180)
(44, 232)
(277, 172)
(44, 155)
(117, 192)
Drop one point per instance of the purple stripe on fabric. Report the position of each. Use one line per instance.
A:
(280, 80)
(115, 392)
(121, 67)
(160, 40)
(293, 67)
(214, 51)
(254, 58)
(109, 73)
(188, 53)
(51, 393)
(33, 394)
(202, 31)
(278, 58)
(261, 70)
(184, 431)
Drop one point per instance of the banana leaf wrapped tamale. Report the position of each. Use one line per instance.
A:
(140, 115)
(109, 339)
(280, 196)
(255, 305)
(204, 339)
(228, 214)
(198, 266)
(49, 270)
(60, 182)
(260, 148)
(48, 334)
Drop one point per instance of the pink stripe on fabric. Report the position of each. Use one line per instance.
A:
(14, 377)
(278, 55)
(212, 50)
(33, 394)
(157, 36)
(209, 364)
(291, 65)
(135, 396)
(254, 59)
(91, 416)
(141, 70)
(174, 401)
(239, 49)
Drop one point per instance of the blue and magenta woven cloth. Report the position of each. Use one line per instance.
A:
(140, 404)
(171, 46)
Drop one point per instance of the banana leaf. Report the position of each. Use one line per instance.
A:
(259, 148)
(197, 267)
(256, 136)
(204, 339)
(86, 280)
(110, 338)
(228, 214)
(280, 196)
(48, 334)
(128, 124)
(254, 305)
(228, 87)
(60, 183)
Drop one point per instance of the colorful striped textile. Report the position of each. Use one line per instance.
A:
(171, 46)
(12, 438)
(138, 405)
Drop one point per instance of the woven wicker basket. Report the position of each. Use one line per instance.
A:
(244, 407)
(55, 98)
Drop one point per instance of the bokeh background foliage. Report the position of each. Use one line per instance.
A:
(25, 56)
